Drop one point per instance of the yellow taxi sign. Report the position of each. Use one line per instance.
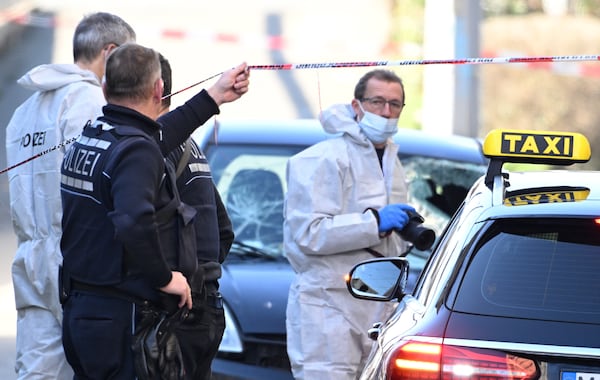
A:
(547, 147)
(537, 196)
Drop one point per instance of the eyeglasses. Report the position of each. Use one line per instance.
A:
(378, 103)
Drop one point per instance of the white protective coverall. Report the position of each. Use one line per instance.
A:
(327, 225)
(66, 98)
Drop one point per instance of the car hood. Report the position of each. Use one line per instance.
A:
(256, 291)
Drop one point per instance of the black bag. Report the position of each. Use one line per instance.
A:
(156, 351)
(176, 228)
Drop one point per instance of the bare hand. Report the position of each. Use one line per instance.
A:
(179, 287)
(231, 85)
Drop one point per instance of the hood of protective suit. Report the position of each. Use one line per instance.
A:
(341, 119)
(53, 76)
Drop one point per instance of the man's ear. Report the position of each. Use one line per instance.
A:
(356, 107)
(108, 49)
(159, 87)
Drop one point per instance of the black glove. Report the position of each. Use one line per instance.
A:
(157, 355)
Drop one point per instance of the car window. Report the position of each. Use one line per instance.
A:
(458, 234)
(437, 187)
(251, 181)
(531, 268)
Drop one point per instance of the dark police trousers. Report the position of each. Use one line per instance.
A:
(200, 334)
(99, 323)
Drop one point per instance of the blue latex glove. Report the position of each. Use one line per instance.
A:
(394, 217)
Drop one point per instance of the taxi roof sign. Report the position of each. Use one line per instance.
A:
(534, 147)
(564, 194)
(537, 147)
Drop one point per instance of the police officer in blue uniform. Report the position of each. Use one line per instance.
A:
(201, 332)
(113, 186)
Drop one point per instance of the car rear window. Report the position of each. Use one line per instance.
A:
(535, 268)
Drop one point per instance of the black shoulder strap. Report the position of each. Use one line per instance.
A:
(166, 212)
(185, 158)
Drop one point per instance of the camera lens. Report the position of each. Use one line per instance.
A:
(421, 237)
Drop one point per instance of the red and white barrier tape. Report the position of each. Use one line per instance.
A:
(558, 65)
(268, 42)
(457, 61)
(17, 13)
(575, 69)
(322, 65)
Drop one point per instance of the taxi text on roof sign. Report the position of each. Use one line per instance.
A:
(548, 147)
(547, 195)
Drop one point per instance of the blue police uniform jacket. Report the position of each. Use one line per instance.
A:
(214, 232)
(112, 184)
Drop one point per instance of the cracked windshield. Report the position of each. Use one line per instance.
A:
(252, 183)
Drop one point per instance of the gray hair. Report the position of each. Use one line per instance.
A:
(131, 72)
(97, 30)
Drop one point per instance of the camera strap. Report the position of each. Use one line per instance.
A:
(373, 252)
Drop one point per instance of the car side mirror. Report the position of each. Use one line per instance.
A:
(381, 279)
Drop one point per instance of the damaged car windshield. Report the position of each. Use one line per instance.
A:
(251, 181)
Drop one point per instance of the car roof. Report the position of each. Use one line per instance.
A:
(305, 132)
(556, 179)
(536, 193)
(575, 193)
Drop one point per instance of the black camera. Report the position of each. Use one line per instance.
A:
(421, 237)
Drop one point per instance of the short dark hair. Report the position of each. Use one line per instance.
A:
(97, 30)
(381, 74)
(131, 71)
(166, 74)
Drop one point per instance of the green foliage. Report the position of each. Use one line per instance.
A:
(521, 7)
(405, 42)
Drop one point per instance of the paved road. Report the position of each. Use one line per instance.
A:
(200, 39)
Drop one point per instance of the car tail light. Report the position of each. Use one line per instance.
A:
(429, 361)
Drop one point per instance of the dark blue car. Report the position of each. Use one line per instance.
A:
(248, 161)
